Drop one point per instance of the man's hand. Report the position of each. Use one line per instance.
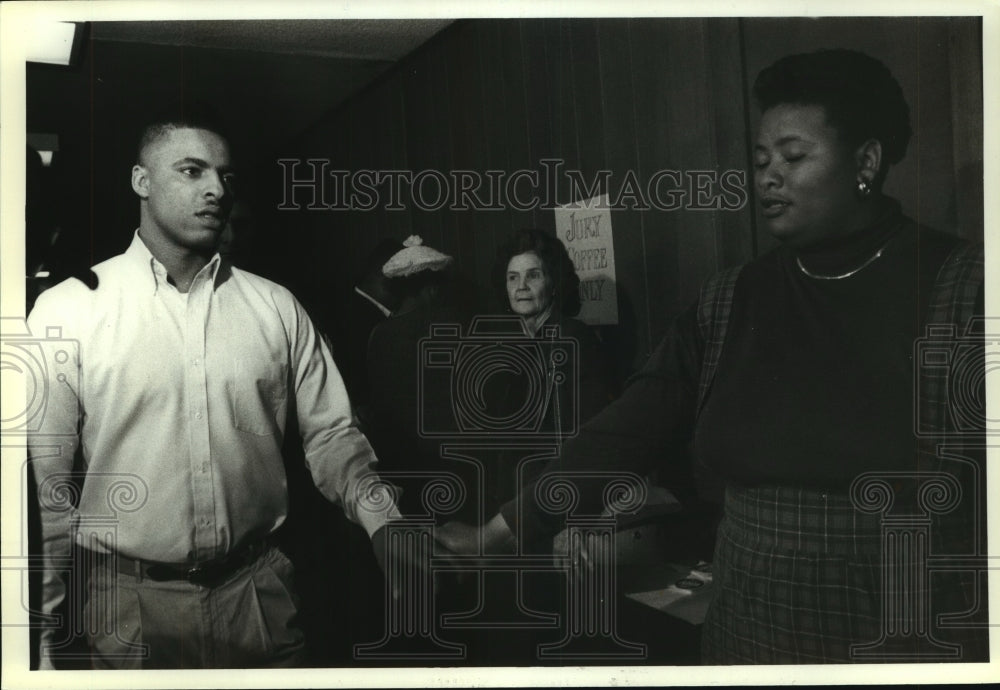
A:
(392, 558)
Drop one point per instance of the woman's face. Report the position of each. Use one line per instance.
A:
(806, 177)
(529, 288)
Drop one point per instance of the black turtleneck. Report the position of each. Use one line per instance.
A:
(843, 256)
(815, 379)
(815, 382)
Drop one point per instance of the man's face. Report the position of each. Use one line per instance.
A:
(186, 180)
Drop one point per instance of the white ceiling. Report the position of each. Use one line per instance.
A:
(358, 39)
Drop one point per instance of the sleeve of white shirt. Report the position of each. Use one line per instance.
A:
(340, 459)
(53, 439)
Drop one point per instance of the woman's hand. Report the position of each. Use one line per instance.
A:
(466, 540)
(459, 538)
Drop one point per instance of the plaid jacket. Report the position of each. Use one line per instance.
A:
(806, 577)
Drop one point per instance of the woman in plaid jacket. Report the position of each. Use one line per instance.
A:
(816, 382)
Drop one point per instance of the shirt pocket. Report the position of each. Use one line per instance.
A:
(259, 396)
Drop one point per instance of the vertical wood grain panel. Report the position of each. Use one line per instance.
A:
(635, 96)
(428, 142)
(587, 97)
(500, 137)
(535, 36)
(687, 91)
(516, 141)
(655, 134)
(398, 223)
(965, 60)
(559, 60)
(621, 153)
(469, 150)
(729, 99)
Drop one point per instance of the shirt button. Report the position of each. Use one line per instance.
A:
(204, 467)
(196, 361)
(197, 415)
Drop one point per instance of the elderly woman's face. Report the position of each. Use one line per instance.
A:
(529, 288)
(804, 174)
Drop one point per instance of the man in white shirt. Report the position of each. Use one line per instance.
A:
(175, 379)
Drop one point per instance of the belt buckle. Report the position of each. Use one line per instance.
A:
(194, 573)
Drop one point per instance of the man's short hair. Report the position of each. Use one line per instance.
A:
(183, 115)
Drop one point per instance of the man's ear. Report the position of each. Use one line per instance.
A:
(140, 181)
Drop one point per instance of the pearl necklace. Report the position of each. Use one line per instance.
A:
(868, 262)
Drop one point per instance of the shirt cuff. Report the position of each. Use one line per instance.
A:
(376, 506)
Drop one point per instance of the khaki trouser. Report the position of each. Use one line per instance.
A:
(248, 620)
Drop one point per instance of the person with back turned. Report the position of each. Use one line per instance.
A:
(370, 303)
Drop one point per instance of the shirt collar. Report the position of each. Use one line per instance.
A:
(381, 307)
(157, 272)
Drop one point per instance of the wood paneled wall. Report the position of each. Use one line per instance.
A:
(631, 96)
(636, 95)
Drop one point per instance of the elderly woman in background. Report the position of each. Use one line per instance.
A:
(792, 377)
(538, 289)
(540, 286)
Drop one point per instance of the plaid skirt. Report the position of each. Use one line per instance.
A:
(798, 580)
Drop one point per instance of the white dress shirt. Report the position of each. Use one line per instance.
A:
(181, 401)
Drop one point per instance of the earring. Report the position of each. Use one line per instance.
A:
(864, 188)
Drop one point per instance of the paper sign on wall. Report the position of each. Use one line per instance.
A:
(585, 228)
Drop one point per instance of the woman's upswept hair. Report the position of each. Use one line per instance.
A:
(555, 259)
(860, 96)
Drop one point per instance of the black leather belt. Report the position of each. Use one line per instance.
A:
(208, 573)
